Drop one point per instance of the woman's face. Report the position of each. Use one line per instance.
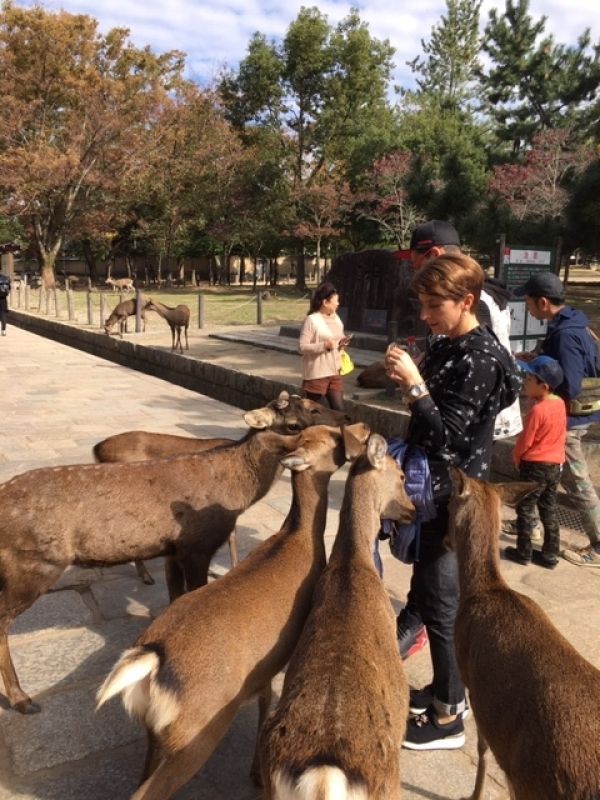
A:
(443, 316)
(330, 306)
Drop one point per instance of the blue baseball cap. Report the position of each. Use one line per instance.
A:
(547, 369)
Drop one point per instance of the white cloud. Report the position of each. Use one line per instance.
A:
(214, 34)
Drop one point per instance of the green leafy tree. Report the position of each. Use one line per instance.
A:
(533, 83)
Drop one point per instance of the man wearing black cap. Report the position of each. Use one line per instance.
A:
(569, 341)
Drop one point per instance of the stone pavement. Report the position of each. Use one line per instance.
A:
(56, 403)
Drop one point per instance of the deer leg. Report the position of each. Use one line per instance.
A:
(153, 756)
(233, 548)
(264, 702)
(143, 573)
(176, 769)
(482, 748)
(195, 569)
(174, 577)
(187, 344)
(17, 698)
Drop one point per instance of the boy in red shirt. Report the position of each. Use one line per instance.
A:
(539, 455)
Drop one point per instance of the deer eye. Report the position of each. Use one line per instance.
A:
(293, 427)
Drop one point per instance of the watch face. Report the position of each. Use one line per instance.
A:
(417, 390)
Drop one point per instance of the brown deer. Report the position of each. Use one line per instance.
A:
(286, 414)
(121, 313)
(178, 318)
(121, 284)
(103, 514)
(216, 648)
(534, 698)
(338, 728)
(373, 377)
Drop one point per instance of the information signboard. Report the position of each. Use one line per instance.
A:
(518, 264)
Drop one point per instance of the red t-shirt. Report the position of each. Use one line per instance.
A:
(544, 433)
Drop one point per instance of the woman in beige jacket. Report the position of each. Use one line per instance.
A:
(321, 339)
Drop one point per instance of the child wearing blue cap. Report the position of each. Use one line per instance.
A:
(539, 455)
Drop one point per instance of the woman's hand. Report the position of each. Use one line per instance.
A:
(344, 342)
(400, 367)
(330, 344)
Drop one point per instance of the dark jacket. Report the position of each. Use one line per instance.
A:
(569, 342)
(470, 380)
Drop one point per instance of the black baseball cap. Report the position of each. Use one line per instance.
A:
(542, 284)
(547, 369)
(435, 233)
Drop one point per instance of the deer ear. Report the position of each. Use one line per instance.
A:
(460, 482)
(376, 450)
(283, 400)
(260, 418)
(513, 493)
(355, 437)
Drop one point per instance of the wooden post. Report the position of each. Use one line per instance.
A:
(27, 296)
(102, 309)
(71, 309)
(19, 287)
(90, 309)
(46, 302)
(201, 310)
(56, 303)
(259, 308)
(41, 298)
(138, 310)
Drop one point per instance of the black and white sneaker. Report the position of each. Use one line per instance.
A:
(424, 732)
(421, 699)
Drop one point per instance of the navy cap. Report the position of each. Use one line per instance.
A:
(435, 233)
(542, 284)
(547, 369)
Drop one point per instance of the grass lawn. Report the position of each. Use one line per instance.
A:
(223, 306)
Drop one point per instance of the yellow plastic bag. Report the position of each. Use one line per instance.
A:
(346, 363)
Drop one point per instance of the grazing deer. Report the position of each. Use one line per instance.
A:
(534, 698)
(216, 648)
(338, 728)
(286, 414)
(121, 284)
(122, 312)
(105, 514)
(177, 318)
(374, 376)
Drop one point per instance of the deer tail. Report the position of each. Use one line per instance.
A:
(317, 783)
(135, 676)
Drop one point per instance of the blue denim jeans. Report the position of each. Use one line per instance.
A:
(434, 593)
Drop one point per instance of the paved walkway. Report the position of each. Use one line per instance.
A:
(56, 403)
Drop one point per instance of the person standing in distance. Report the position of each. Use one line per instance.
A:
(568, 340)
(321, 339)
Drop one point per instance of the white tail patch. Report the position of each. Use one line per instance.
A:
(317, 783)
(134, 675)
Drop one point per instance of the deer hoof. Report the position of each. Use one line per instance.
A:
(148, 579)
(27, 707)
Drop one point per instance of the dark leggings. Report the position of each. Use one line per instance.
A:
(334, 399)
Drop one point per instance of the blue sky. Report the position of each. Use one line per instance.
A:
(215, 33)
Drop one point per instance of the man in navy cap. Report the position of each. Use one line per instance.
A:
(569, 341)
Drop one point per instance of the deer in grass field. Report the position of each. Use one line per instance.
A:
(121, 284)
(338, 729)
(216, 648)
(106, 514)
(121, 313)
(286, 414)
(178, 319)
(534, 698)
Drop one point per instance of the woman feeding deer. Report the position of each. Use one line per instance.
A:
(454, 394)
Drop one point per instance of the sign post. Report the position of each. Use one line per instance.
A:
(519, 263)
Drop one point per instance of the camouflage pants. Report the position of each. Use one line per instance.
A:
(577, 481)
(547, 476)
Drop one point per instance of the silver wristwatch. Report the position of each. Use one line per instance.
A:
(417, 391)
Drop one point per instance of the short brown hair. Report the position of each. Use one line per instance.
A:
(451, 276)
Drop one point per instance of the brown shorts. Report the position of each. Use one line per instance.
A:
(331, 383)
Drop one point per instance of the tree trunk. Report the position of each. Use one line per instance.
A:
(90, 260)
(300, 270)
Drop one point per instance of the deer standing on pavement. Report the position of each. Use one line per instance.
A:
(178, 318)
(286, 414)
(96, 515)
(534, 697)
(338, 728)
(121, 284)
(216, 648)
